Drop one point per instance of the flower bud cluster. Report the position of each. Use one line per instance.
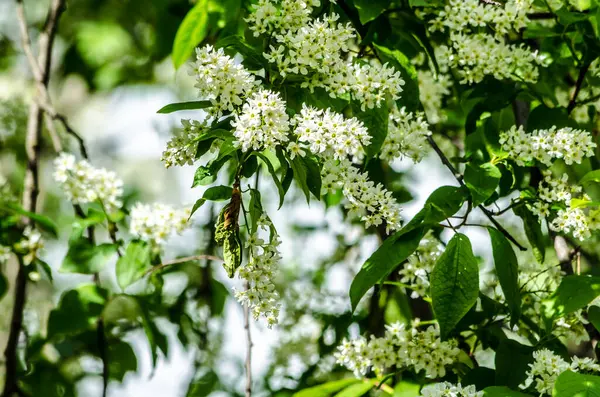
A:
(182, 148)
(565, 143)
(547, 366)
(263, 122)
(85, 184)
(154, 223)
(31, 242)
(447, 389)
(399, 347)
(259, 273)
(221, 80)
(407, 136)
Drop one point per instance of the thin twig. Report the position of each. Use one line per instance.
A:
(51, 112)
(182, 260)
(578, 84)
(459, 178)
(248, 348)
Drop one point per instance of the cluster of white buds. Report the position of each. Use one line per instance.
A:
(328, 134)
(463, 15)
(84, 184)
(399, 347)
(547, 366)
(565, 143)
(154, 223)
(269, 16)
(30, 244)
(475, 56)
(447, 389)
(221, 80)
(571, 218)
(261, 295)
(373, 83)
(182, 148)
(370, 202)
(415, 273)
(407, 136)
(263, 122)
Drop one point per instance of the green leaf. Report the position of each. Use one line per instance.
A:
(444, 202)
(482, 180)
(507, 269)
(301, 175)
(454, 283)
(592, 176)
(87, 258)
(203, 176)
(512, 362)
(544, 117)
(134, 264)
(313, 175)
(77, 311)
(192, 105)
(572, 384)
(274, 176)
(255, 209)
(326, 389)
(204, 385)
(400, 62)
(156, 339)
(356, 390)
(199, 203)
(232, 252)
(220, 293)
(533, 230)
(376, 121)
(502, 391)
(253, 58)
(121, 359)
(3, 285)
(573, 293)
(368, 10)
(218, 193)
(42, 221)
(191, 32)
(407, 388)
(594, 316)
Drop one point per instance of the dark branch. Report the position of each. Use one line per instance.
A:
(578, 84)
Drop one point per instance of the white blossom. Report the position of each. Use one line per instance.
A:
(221, 80)
(407, 136)
(154, 223)
(182, 148)
(263, 122)
(415, 272)
(400, 347)
(30, 244)
(4, 254)
(84, 184)
(261, 295)
(447, 389)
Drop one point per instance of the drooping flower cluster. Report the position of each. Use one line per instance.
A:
(565, 143)
(571, 218)
(259, 272)
(221, 80)
(85, 184)
(547, 366)
(400, 347)
(182, 148)
(263, 122)
(154, 223)
(269, 16)
(370, 202)
(447, 389)
(329, 134)
(415, 273)
(407, 136)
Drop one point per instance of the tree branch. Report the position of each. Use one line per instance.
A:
(578, 84)
(459, 178)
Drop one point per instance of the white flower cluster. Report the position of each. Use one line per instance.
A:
(221, 80)
(447, 389)
(415, 273)
(269, 16)
(475, 56)
(318, 49)
(547, 366)
(29, 245)
(565, 143)
(461, 15)
(259, 273)
(263, 122)
(156, 222)
(4, 254)
(407, 136)
(181, 149)
(432, 89)
(370, 202)
(400, 347)
(330, 135)
(570, 219)
(84, 184)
